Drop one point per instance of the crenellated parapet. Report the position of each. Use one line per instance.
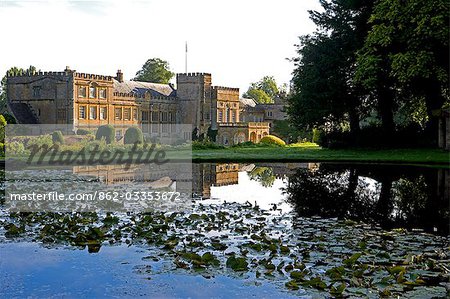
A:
(218, 88)
(133, 95)
(192, 74)
(28, 73)
(92, 76)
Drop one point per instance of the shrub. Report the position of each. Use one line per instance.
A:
(83, 132)
(2, 128)
(212, 134)
(99, 145)
(38, 141)
(318, 136)
(133, 135)
(57, 137)
(2, 149)
(274, 140)
(106, 132)
(15, 147)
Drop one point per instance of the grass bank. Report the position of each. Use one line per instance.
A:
(312, 153)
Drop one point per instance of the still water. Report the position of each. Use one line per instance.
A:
(252, 230)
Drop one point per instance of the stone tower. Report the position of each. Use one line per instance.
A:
(194, 94)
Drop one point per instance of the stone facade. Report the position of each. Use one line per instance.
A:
(254, 112)
(88, 101)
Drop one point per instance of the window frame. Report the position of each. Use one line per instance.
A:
(95, 92)
(82, 112)
(93, 112)
(100, 92)
(126, 114)
(118, 117)
(105, 116)
(82, 94)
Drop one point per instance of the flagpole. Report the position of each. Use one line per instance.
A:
(185, 59)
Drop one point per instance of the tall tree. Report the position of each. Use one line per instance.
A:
(324, 93)
(155, 70)
(264, 91)
(406, 56)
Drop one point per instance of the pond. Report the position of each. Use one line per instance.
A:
(251, 230)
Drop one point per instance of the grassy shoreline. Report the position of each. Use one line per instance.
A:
(317, 154)
(314, 153)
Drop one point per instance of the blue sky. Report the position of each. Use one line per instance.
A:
(237, 41)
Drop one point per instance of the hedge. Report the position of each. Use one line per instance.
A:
(107, 132)
(133, 135)
(271, 139)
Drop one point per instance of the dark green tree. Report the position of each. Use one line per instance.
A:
(406, 57)
(155, 70)
(324, 93)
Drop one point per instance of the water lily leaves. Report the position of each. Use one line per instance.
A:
(13, 230)
(315, 282)
(180, 264)
(171, 243)
(284, 249)
(297, 275)
(396, 269)
(209, 259)
(219, 246)
(334, 259)
(337, 291)
(352, 260)
(280, 267)
(110, 220)
(289, 268)
(385, 293)
(292, 285)
(335, 273)
(237, 263)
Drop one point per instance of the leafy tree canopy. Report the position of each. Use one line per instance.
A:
(155, 70)
(408, 44)
(264, 91)
(324, 93)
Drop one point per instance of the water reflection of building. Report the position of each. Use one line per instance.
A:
(149, 175)
(206, 175)
(210, 174)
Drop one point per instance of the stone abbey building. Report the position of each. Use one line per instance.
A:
(88, 101)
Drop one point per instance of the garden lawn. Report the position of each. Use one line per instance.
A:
(310, 152)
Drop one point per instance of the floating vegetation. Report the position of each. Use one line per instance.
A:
(325, 257)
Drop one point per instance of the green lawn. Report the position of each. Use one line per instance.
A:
(313, 153)
(310, 152)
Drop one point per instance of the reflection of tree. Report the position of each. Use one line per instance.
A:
(329, 194)
(417, 203)
(264, 175)
(400, 198)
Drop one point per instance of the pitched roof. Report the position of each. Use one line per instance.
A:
(247, 102)
(137, 87)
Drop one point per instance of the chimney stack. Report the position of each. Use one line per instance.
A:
(119, 76)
